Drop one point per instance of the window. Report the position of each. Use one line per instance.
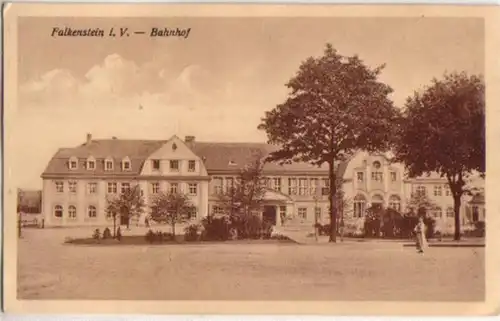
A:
(292, 186)
(359, 205)
(394, 177)
(192, 213)
(112, 188)
(72, 211)
(302, 211)
(229, 183)
(313, 185)
(325, 188)
(108, 164)
(59, 187)
(125, 187)
(193, 188)
(58, 211)
(217, 210)
(437, 190)
(73, 163)
(72, 186)
(92, 212)
(191, 166)
(91, 164)
(174, 187)
(450, 212)
(421, 190)
(109, 215)
(126, 166)
(277, 184)
(92, 188)
(360, 176)
(155, 187)
(377, 176)
(174, 165)
(437, 212)
(155, 163)
(317, 213)
(302, 186)
(475, 214)
(217, 185)
(395, 203)
(447, 190)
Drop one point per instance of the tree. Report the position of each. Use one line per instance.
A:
(171, 208)
(241, 201)
(442, 130)
(336, 106)
(130, 203)
(420, 201)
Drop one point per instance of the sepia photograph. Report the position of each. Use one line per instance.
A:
(263, 156)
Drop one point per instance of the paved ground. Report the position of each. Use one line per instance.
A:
(349, 271)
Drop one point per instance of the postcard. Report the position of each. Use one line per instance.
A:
(251, 159)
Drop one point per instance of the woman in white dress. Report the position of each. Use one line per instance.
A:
(421, 239)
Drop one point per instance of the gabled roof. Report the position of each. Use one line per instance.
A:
(217, 156)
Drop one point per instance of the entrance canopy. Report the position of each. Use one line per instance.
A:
(274, 196)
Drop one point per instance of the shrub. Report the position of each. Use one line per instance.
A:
(248, 226)
(430, 225)
(97, 234)
(106, 234)
(191, 233)
(150, 236)
(480, 228)
(215, 229)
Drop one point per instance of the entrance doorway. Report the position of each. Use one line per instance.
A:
(269, 214)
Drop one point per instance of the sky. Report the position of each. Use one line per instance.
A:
(215, 85)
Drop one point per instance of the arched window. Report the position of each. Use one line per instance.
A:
(108, 164)
(92, 212)
(359, 205)
(72, 211)
(377, 201)
(395, 203)
(91, 163)
(450, 212)
(58, 211)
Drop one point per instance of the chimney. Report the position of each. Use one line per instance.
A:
(89, 138)
(114, 138)
(189, 139)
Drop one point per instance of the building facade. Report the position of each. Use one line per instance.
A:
(77, 181)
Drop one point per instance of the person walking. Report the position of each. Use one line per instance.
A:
(421, 240)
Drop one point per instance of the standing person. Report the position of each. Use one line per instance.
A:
(420, 232)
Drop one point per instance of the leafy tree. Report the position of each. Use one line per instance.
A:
(442, 130)
(419, 202)
(243, 200)
(130, 203)
(171, 208)
(335, 107)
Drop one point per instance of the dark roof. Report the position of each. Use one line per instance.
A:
(477, 199)
(217, 157)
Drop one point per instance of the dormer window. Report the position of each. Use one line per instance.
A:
(91, 163)
(73, 163)
(126, 166)
(108, 164)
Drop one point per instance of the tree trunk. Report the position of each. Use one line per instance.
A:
(173, 230)
(333, 203)
(128, 221)
(114, 225)
(19, 226)
(456, 205)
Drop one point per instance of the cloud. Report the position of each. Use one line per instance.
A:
(118, 82)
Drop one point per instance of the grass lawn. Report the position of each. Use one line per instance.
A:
(50, 269)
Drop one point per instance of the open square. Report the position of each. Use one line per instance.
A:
(49, 269)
